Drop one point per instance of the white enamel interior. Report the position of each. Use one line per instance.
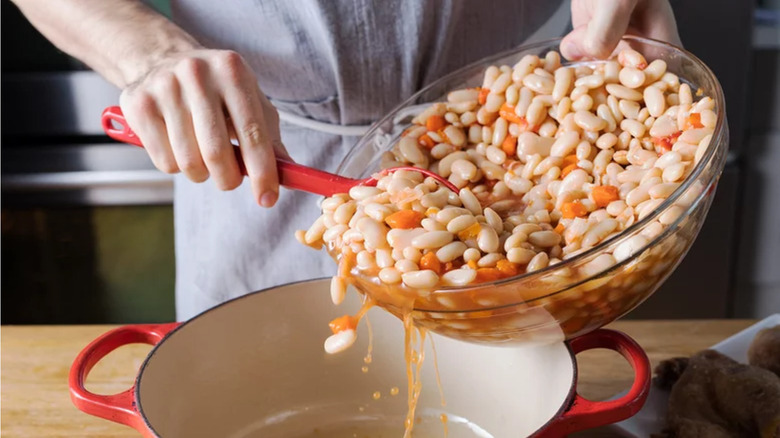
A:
(255, 367)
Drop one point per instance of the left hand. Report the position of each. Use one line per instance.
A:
(600, 24)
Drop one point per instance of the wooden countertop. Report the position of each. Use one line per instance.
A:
(36, 360)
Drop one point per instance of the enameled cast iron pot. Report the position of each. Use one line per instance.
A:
(255, 366)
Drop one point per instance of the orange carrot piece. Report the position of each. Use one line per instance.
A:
(483, 94)
(488, 274)
(343, 323)
(470, 233)
(508, 112)
(567, 170)
(666, 143)
(430, 261)
(693, 121)
(435, 123)
(426, 141)
(507, 268)
(570, 159)
(472, 264)
(404, 219)
(559, 228)
(509, 146)
(570, 210)
(603, 195)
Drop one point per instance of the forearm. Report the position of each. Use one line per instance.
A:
(120, 39)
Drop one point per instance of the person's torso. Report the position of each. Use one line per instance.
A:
(350, 61)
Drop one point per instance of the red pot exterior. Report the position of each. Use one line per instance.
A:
(577, 413)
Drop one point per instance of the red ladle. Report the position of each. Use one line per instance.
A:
(291, 175)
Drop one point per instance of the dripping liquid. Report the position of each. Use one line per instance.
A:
(401, 305)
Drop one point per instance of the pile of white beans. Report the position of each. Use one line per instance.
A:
(622, 123)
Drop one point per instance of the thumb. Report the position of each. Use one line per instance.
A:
(602, 33)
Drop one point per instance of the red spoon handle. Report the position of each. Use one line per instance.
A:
(291, 175)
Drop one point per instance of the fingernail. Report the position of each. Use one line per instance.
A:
(268, 199)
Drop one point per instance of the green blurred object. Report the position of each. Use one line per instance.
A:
(88, 265)
(135, 262)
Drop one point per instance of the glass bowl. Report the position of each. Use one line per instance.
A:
(577, 295)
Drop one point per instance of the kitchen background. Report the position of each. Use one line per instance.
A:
(87, 230)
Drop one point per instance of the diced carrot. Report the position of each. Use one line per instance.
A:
(693, 121)
(570, 159)
(666, 143)
(483, 94)
(488, 274)
(431, 211)
(342, 323)
(570, 210)
(426, 141)
(508, 112)
(567, 170)
(404, 219)
(507, 268)
(435, 123)
(472, 264)
(559, 228)
(603, 195)
(430, 261)
(509, 146)
(470, 233)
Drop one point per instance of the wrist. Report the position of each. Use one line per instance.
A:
(137, 61)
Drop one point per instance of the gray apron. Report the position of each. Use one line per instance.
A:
(332, 66)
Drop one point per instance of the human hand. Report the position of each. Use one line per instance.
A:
(599, 25)
(187, 107)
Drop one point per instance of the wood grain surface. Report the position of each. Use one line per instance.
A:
(36, 359)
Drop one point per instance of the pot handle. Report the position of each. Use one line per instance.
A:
(120, 407)
(586, 414)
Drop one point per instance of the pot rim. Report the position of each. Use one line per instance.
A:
(567, 402)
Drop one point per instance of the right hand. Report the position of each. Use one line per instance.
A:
(185, 110)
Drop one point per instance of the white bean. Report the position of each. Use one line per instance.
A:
(432, 239)
(674, 172)
(544, 239)
(340, 341)
(425, 279)
(540, 261)
(471, 254)
(563, 81)
(654, 100)
(470, 201)
(622, 92)
(520, 255)
(589, 121)
(564, 145)
(338, 290)
(374, 233)
(451, 251)
(459, 277)
(631, 77)
(460, 223)
(629, 247)
(487, 240)
(539, 84)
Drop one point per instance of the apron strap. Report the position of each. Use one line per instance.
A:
(328, 128)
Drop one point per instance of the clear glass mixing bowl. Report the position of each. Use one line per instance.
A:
(572, 297)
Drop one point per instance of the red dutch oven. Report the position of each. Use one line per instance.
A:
(255, 366)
